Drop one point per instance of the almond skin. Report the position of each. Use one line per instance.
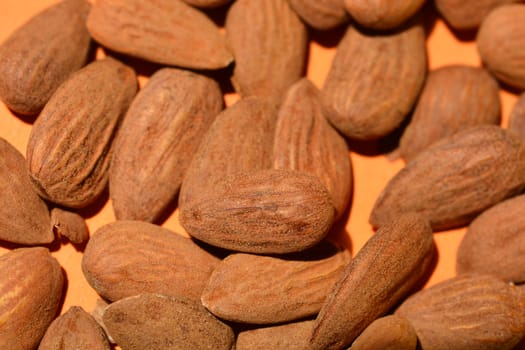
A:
(321, 14)
(289, 336)
(30, 295)
(517, 117)
(382, 14)
(207, 3)
(390, 332)
(43, 53)
(69, 224)
(467, 14)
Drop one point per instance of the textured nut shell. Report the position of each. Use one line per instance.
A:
(42, 53)
(269, 211)
(159, 135)
(69, 224)
(391, 332)
(517, 117)
(467, 312)
(153, 321)
(374, 81)
(162, 31)
(25, 217)
(30, 294)
(455, 179)
(382, 14)
(75, 329)
(269, 43)
(454, 98)
(383, 272)
(289, 336)
(321, 14)
(69, 147)
(127, 258)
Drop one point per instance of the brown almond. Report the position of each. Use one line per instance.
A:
(467, 14)
(374, 81)
(269, 43)
(390, 332)
(263, 212)
(467, 312)
(30, 295)
(162, 31)
(159, 135)
(69, 147)
(321, 14)
(382, 273)
(42, 53)
(382, 14)
(70, 225)
(454, 98)
(289, 336)
(455, 179)
(258, 289)
(154, 321)
(517, 117)
(76, 329)
(207, 3)
(126, 258)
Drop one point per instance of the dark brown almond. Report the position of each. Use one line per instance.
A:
(25, 217)
(382, 273)
(467, 14)
(382, 14)
(264, 212)
(269, 43)
(153, 321)
(98, 313)
(70, 225)
(162, 31)
(374, 81)
(76, 329)
(69, 147)
(42, 53)
(30, 295)
(517, 117)
(467, 312)
(455, 179)
(126, 258)
(305, 141)
(258, 289)
(321, 14)
(159, 135)
(289, 336)
(391, 332)
(207, 3)
(454, 98)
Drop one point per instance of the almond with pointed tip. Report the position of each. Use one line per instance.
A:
(382, 14)
(321, 14)
(70, 225)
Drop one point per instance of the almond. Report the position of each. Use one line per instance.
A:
(467, 14)
(321, 14)
(390, 332)
(517, 117)
(207, 3)
(289, 336)
(70, 225)
(382, 14)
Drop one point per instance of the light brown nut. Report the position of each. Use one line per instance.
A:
(382, 14)
(159, 135)
(382, 273)
(30, 294)
(288, 336)
(162, 31)
(154, 321)
(207, 3)
(517, 117)
(42, 53)
(467, 312)
(455, 179)
(70, 225)
(454, 98)
(126, 258)
(70, 144)
(390, 332)
(321, 14)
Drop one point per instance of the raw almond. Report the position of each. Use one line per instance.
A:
(467, 14)
(288, 336)
(70, 225)
(382, 14)
(517, 117)
(207, 3)
(390, 332)
(321, 14)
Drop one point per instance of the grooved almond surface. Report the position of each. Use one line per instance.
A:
(382, 14)
(390, 332)
(467, 14)
(289, 336)
(321, 14)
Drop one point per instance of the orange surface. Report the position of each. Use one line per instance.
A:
(371, 173)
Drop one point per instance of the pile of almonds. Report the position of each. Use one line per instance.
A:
(262, 186)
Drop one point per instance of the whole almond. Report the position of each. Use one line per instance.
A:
(321, 14)
(382, 273)
(162, 31)
(269, 43)
(69, 224)
(154, 321)
(42, 53)
(455, 179)
(467, 312)
(289, 336)
(263, 212)
(69, 147)
(126, 258)
(374, 81)
(517, 117)
(390, 332)
(467, 14)
(454, 98)
(305, 141)
(382, 14)
(30, 295)
(166, 122)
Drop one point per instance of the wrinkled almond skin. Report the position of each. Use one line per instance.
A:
(262, 212)
(69, 224)
(305, 141)
(30, 294)
(159, 135)
(41, 54)
(154, 321)
(467, 14)
(168, 32)
(126, 258)
(75, 329)
(495, 242)
(321, 14)
(501, 44)
(269, 43)
(454, 98)
(258, 289)
(374, 81)
(382, 14)
(467, 312)
(70, 144)
(390, 332)
(517, 117)
(25, 217)
(455, 179)
(289, 336)
(382, 273)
